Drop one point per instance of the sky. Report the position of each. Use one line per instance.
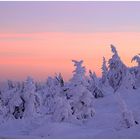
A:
(41, 38)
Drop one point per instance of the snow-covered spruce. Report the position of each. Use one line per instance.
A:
(11, 101)
(136, 70)
(104, 72)
(3, 109)
(94, 85)
(55, 103)
(129, 81)
(137, 59)
(117, 75)
(32, 100)
(126, 114)
(80, 98)
(60, 80)
(117, 70)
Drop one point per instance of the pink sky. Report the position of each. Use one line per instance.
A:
(41, 38)
(43, 54)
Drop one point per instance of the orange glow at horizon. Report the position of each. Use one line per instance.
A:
(44, 54)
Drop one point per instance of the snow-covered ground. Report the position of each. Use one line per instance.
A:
(105, 124)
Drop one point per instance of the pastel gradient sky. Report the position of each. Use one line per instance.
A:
(41, 38)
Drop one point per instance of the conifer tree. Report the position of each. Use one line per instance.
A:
(136, 70)
(94, 85)
(31, 98)
(117, 74)
(104, 71)
(81, 99)
(117, 70)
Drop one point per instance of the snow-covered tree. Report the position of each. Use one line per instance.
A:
(55, 102)
(94, 85)
(19, 110)
(10, 84)
(3, 109)
(31, 98)
(12, 100)
(117, 75)
(60, 79)
(104, 71)
(79, 74)
(62, 110)
(38, 86)
(137, 59)
(117, 70)
(15, 104)
(50, 92)
(81, 99)
(136, 70)
(129, 81)
(126, 114)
